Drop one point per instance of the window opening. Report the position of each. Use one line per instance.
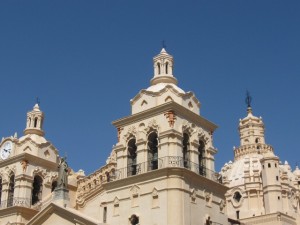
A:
(167, 65)
(37, 188)
(132, 166)
(134, 219)
(152, 151)
(158, 68)
(35, 122)
(53, 186)
(238, 214)
(269, 165)
(104, 214)
(237, 196)
(11, 189)
(185, 144)
(201, 159)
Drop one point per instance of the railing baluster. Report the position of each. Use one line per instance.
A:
(168, 161)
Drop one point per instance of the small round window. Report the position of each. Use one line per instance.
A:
(237, 196)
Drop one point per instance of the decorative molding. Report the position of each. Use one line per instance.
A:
(131, 132)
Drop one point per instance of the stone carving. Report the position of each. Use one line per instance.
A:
(130, 132)
(188, 128)
(193, 195)
(171, 116)
(222, 205)
(24, 164)
(119, 133)
(63, 170)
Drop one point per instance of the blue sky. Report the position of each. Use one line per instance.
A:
(85, 60)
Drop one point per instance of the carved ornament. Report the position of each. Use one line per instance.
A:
(171, 116)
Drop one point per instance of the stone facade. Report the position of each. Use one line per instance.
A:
(161, 170)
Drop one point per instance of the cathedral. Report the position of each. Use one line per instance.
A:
(161, 171)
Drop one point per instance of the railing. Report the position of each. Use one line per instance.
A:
(169, 161)
(24, 202)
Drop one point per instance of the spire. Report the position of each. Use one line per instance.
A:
(163, 68)
(35, 120)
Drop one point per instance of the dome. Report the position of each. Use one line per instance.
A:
(234, 173)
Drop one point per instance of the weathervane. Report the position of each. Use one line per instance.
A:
(248, 99)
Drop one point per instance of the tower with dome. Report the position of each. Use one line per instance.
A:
(262, 190)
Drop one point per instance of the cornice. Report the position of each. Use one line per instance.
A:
(29, 212)
(180, 173)
(177, 108)
(31, 158)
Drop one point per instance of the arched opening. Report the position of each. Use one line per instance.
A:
(29, 122)
(158, 68)
(11, 189)
(185, 144)
(0, 189)
(35, 122)
(53, 185)
(167, 66)
(201, 159)
(37, 188)
(131, 159)
(152, 151)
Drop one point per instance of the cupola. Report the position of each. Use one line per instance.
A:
(163, 68)
(251, 128)
(35, 119)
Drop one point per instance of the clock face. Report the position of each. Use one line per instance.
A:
(5, 150)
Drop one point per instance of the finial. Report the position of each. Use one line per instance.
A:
(248, 99)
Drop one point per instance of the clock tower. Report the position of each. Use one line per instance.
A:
(28, 171)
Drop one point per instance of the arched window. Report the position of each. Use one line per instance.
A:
(167, 66)
(35, 121)
(11, 189)
(131, 160)
(201, 159)
(0, 189)
(37, 188)
(185, 144)
(29, 122)
(53, 186)
(152, 151)
(158, 68)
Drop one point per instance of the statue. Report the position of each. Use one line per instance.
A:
(63, 171)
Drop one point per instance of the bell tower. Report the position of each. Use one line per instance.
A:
(35, 119)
